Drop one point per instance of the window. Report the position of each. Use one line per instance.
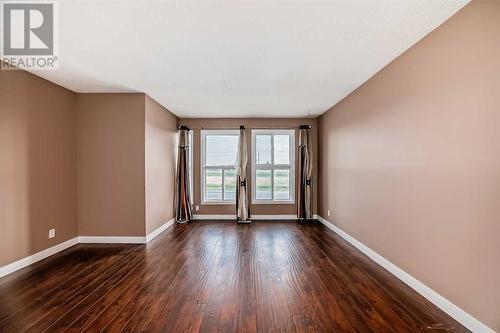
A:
(273, 161)
(218, 181)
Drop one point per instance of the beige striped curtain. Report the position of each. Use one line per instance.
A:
(304, 196)
(183, 211)
(242, 207)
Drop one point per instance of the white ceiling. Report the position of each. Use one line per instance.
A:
(237, 59)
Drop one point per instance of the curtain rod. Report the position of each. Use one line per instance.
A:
(248, 127)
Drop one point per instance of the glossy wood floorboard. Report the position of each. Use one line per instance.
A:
(217, 276)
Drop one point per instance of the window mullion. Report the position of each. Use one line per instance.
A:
(272, 183)
(272, 149)
(264, 166)
(223, 174)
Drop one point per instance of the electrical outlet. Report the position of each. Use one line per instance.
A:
(52, 233)
(328, 212)
(197, 208)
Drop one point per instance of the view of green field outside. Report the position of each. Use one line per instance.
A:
(263, 184)
(214, 184)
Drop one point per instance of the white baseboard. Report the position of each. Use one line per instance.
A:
(214, 217)
(112, 240)
(152, 235)
(126, 239)
(19, 264)
(273, 217)
(451, 309)
(252, 217)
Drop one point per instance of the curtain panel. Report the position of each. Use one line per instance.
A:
(242, 207)
(183, 210)
(304, 195)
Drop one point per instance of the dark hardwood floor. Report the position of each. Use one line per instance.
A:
(217, 277)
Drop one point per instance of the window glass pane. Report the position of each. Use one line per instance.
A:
(281, 184)
(230, 185)
(263, 149)
(213, 184)
(221, 150)
(263, 184)
(281, 149)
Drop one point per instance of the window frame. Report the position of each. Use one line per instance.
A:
(203, 167)
(272, 166)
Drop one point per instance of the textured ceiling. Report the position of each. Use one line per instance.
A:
(237, 59)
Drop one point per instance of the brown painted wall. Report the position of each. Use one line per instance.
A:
(410, 161)
(84, 164)
(161, 151)
(37, 165)
(111, 164)
(197, 123)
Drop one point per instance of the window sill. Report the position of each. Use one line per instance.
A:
(220, 203)
(270, 202)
